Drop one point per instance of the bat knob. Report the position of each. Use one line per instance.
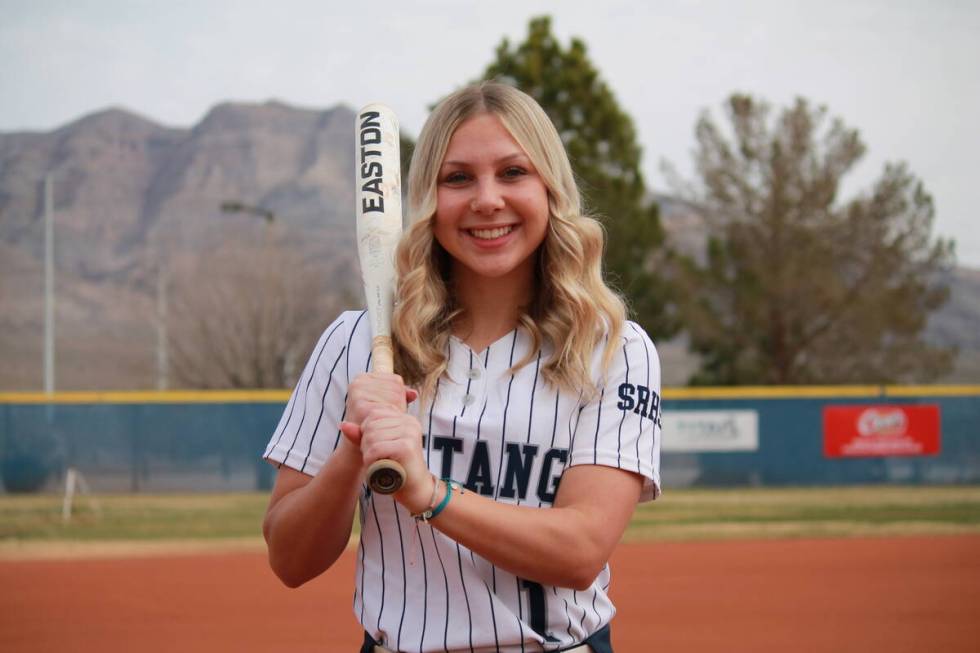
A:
(385, 477)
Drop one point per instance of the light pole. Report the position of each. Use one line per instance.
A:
(268, 246)
(162, 354)
(48, 286)
(234, 206)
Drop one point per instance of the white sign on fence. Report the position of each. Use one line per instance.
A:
(710, 430)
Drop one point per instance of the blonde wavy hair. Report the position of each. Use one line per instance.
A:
(573, 309)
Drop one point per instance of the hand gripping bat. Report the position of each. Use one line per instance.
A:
(379, 226)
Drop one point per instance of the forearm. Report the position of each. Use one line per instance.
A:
(565, 545)
(546, 545)
(307, 529)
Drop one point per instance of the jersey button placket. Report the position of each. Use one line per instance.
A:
(476, 383)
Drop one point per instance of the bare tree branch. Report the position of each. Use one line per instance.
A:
(245, 316)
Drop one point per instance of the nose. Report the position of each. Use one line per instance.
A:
(487, 197)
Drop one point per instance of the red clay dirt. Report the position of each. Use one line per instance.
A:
(898, 594)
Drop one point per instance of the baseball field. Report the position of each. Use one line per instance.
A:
(828, 569)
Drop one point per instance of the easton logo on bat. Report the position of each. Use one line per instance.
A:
(371, 168)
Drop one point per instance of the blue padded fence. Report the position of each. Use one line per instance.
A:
(173, 441)
(791, 439)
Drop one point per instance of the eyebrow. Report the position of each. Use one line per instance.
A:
(503, 159)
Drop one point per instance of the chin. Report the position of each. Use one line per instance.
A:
(498, 269)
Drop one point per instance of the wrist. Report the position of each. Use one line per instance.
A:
(435, 509)
(423, 496)
(349, 453)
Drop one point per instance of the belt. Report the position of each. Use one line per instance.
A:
(582, 648)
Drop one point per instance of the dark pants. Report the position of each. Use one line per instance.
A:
(600, 642)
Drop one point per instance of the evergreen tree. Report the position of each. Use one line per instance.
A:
(796, 286)
(601, 142)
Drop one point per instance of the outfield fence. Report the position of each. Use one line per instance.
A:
(212, 441)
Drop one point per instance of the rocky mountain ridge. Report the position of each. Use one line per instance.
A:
(133, 197)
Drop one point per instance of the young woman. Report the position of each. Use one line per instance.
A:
(526, 415)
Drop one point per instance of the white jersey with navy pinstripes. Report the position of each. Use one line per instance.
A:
(506, 436)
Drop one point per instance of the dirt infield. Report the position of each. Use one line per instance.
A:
(896, 594)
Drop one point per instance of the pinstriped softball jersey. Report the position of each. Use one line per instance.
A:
(506, 436)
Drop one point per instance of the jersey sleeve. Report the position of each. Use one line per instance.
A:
(308, 430)
(620, 426)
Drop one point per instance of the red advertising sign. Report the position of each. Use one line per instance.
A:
(883, 430)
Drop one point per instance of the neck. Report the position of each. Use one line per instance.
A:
(491, 307)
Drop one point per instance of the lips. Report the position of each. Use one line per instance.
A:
(491, 233)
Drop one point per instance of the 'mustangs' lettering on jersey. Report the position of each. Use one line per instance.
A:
(372, 171)
(640, 399)
(448, 446)
(519, 464)
(480, 476)
(520, 457)
(548, 484)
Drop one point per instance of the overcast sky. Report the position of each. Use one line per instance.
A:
(903, 73)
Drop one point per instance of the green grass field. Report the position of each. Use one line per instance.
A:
(133, 517)
(679, 514)
(808, 512)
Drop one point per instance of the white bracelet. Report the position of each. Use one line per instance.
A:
(422, 516)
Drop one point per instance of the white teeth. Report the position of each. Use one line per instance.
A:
(490, 234)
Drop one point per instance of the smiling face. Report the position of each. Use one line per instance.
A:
(492, 205)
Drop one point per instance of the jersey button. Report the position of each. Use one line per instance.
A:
(469, 399)
(473, 373)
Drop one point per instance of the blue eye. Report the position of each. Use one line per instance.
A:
(454, 178)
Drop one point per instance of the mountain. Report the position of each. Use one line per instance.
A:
(955, 325)
(121, 180)
(129, 193)
(133, 197)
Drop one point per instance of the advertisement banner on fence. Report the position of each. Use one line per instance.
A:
(884, 430)
(710, 430)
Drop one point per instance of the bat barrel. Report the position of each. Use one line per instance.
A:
(378, 209)
(379, 224)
